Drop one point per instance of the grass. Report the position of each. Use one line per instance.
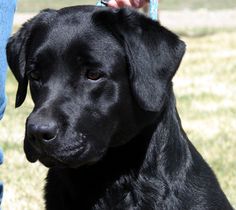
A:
(205, 90)
(36, 5)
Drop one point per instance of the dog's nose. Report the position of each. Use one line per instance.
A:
(43, 131)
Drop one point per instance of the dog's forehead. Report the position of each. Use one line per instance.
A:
(74, 33)
(72, 36)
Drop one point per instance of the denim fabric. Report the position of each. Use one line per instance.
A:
(7, 9)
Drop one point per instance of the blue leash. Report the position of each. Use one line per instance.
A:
(102, 3)
(153, 7)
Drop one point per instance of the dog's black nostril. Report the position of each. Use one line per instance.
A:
(45, 132)
(49, 134)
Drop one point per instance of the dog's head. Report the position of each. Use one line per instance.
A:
(97, 76)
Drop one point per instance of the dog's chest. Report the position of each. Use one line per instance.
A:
(128, 193)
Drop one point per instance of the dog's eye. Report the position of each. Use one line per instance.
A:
(94, 75)
(34, 75)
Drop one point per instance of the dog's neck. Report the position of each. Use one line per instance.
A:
(169, 145)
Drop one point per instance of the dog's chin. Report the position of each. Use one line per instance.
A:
(70, 161)
(52, 162)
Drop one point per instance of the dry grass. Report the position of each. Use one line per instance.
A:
(205, 87)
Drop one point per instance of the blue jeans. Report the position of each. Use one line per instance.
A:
(7, 10)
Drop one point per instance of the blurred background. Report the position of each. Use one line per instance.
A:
(205, 87)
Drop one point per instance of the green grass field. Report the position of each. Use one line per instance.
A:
(205, 87)
(36, 5)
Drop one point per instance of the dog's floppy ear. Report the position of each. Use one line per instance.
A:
(153, 53)
(17, 53)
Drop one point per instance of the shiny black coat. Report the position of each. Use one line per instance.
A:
(104, 120)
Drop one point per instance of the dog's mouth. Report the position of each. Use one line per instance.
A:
(52, 155)
(72, 157)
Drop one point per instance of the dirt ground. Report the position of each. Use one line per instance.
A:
(178, 19)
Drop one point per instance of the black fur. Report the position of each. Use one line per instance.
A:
(105, 119)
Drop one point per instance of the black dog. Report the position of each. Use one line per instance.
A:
(104, 120)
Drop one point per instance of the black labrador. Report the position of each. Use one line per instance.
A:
(105, 119)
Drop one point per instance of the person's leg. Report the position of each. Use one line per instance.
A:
(7, 9)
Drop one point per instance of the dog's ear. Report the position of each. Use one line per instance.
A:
(17, 53)
(153, 54)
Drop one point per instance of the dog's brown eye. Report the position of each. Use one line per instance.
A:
(94, 75)
(34, 75)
